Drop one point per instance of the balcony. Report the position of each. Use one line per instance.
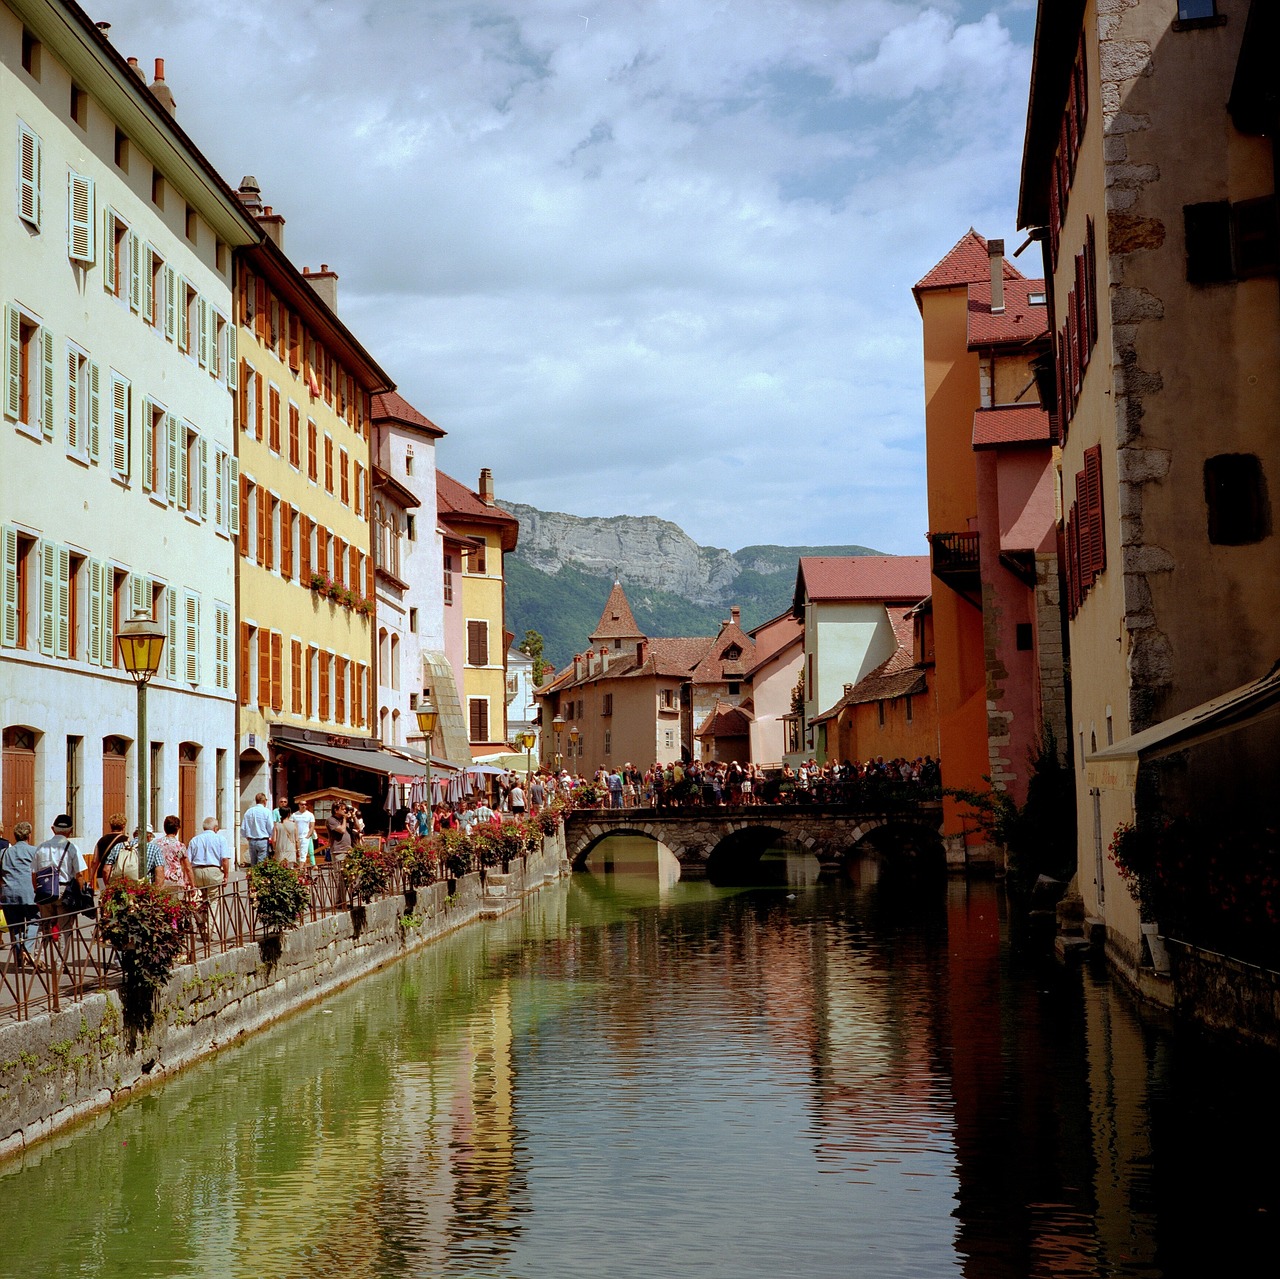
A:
(955, 562)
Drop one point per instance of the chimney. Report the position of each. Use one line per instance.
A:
(995, 251)
(486, 486)
(642, 652)
(735, 615)
(848, 688)
(604, 659)
(161, 90)
(577, 666)
(325, 283)
(250, 194)
(273, 224)
(136, 69)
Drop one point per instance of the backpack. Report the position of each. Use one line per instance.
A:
(131, 862)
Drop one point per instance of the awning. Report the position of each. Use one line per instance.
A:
(368, 761)
(1116, 766)
(420, 757)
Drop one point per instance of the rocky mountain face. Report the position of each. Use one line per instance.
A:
(639, 550)
(559, 576)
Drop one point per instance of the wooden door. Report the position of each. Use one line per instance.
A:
(114, 752)
(187, 755)
(20, 780)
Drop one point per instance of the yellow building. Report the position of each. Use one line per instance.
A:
(306, 594)
(487, 533)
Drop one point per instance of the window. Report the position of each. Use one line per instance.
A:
(880, 713)
(734, 689)
(81, 219)
(15, 581)
(29, 372)
(344, 477)
(121, 409)
(478, 718)
(155, 307)
(408, 463)
(122, 151)
(157, 188)
(476, 561)
(448, 579)
(55, 587)
(477, 643)
(328, 464)
(395, 663)
(668, 699)
(79, 105)
(608, 741)
(295, 434)
(30, 54)
(910, 709)
(325, 667)
(273, 419)
(669, 739)
(413, 621)
(1023, 637)
(75, 563)
(411, 528)
(295, 676)
(191, 224)
(83, 404)
(1197, 13)
(312, 454)
(1086, 532)
(607, 708)
(157, 783)
(1235, 492)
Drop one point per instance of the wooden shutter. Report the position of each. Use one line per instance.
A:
(354, 558)
(244, 523)
(1097, 544)
(261, 318)
(9, 587)
(202, 339)
(119, 425)
(478, 708)
(322, 550)
(148, 445)
(477, 643)
(75, 441)
(219, 488)
(62, 646)
(203, 478)
(309, 680)
(325, 662)
(192, 637)
(277, 671)
(171, 451)
(139, 594)
(231, 363)
(109, 265)
(264, 668)
(328, 464)
(80, 219)
(343, 478)
(257, 406)
(29, 165)
(304, 549)
(48, 375)
(273, 436)
(148, 284)
(313, 467)
(295, 443)
(368, 577)
(171, 598)
(295, 676)
(1091, 280)
(340, 689)
(135, 270)
(48, 630)
(339, 561)
(286, 541)
(234, 496)
(246, 634)
(171, 304)
(264, 526)
(95, 410)
(295, 341)
(13, 361)
(222, 647)
(242, 399)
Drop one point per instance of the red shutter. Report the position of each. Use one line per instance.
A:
(258, 406)
(340, 689)
(356, 584)
(304, 549)
(339, 561)
(262, 317)
(295, 676)
(264, 668)
(245, 674)
(245, 374)
(264, 530)
(1097, 546)
(368, 576)
(244, 516)
(310, 685)
(277, 671)
(1091, 276)
(274, 438)
(295, 443)
(1082, 311)
(286, 541)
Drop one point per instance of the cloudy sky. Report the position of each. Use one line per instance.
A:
(647, 257)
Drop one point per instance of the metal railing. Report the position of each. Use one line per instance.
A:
(69, 959)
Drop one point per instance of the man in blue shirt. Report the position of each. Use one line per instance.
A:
(255, 827)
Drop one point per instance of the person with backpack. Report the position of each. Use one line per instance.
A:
(132, 860)
(17, 895)
(56, 863)
(112, 839)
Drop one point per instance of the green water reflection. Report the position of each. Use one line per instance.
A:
(638, 1077)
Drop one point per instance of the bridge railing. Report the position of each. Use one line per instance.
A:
(871, 794)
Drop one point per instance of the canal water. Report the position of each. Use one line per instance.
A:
(639, 1077)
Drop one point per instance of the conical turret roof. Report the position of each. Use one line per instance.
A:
(617, 621)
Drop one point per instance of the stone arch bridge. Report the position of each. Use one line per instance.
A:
(830, 833)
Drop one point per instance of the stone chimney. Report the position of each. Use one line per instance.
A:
(486, 486)
(604, 659)
(995, 251)
(325, 283)
(136, 69)
(735, 615)
(642, 652)
(273, 224)
(161, 90)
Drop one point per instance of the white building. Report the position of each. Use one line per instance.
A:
(408, 553)
(522, 710)
(117, 470)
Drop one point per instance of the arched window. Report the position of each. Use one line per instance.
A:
(395, 663)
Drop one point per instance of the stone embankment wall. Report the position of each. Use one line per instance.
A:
(58, 1068)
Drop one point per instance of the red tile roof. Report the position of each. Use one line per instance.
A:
(458, 504)
(393, 406)
(1019, 322)
(725, 721)
(675, 656)
(862, 577)
(1013, 424)
(966, 263)
(616, 619)
(715, 667)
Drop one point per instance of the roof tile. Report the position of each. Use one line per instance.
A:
(1013, 424)
(965, 263)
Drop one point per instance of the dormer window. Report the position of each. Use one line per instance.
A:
(1037, 299)
(731, 654)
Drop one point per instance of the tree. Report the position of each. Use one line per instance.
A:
(531, 646)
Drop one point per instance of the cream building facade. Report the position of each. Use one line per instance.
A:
(116, 440)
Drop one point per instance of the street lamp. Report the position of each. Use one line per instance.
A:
(557, 726)
(527, 739)
(141, 642)
(428, 718)
(574, 734)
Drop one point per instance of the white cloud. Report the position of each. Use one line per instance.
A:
(658, 262)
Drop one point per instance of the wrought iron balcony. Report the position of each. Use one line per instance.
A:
(955, 560)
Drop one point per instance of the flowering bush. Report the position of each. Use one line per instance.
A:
(280, 896)
(548, 820)
(324, 586)
(367, 870)
(146, 926)
(420, 860)
(455, 853)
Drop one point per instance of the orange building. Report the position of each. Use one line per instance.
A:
(953, 390)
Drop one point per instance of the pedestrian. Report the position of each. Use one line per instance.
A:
(56, 863)
(537, 793)
(112, 839)
(129, 861)
(174, 871)
(18, 895)
(284, 838)
(256, 827)
(339, 832)
(210, 860)
(515, 797)
(305, 820)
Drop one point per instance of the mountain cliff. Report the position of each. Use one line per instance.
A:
(559, 576)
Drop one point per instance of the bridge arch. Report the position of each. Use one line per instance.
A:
(582, 842)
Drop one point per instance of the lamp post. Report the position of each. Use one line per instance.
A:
(141, 642)
(428, 718)
(527, 739)
(557, 726)
(574, 735)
